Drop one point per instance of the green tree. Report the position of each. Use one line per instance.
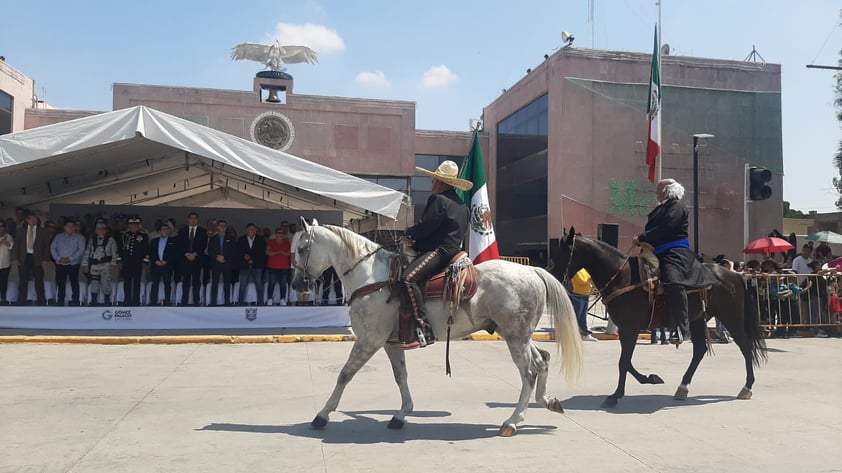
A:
(790, 213)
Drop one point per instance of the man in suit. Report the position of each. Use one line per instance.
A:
(224, 256)
(134, 249)
(163, 259)
(31, 254)
(193, 241)
(253, 250)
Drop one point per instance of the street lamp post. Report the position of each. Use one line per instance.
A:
(696, 138)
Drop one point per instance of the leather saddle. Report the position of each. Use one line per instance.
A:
(457, 283)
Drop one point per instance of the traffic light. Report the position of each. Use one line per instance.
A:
(758, 184)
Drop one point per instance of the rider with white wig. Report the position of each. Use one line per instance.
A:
(666, 232)
(438, 237)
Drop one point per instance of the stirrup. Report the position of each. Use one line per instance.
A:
(422, 339)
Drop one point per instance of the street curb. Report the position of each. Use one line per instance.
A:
(227, 339)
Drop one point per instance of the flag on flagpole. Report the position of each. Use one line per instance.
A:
(482, 244)
(653, 111)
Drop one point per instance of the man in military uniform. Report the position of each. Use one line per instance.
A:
(666, 232)
(100, 255)
(438, 238)
(134, 247)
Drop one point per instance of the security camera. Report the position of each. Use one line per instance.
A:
(567, 37)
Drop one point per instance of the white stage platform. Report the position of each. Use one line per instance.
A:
(164, 318)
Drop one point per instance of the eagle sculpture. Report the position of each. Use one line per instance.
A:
(274, 56)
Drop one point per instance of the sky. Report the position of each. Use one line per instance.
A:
(450, 57)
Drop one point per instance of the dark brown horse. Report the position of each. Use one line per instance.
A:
(729, 300)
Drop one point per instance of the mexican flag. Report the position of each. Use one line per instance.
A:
(482, 244)
(653, 145)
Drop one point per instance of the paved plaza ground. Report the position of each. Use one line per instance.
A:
(247, 408)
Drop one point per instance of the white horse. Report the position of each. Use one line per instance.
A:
(510, 297)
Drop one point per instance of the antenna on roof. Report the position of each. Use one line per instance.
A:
(753, 56)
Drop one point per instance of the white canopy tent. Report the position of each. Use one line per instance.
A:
(141, 156)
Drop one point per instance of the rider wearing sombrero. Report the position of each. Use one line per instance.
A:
(438, 237)
(666, 232)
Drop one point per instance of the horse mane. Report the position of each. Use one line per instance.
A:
(355, 243)
(604, 247)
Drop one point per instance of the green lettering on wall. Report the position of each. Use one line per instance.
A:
(630, 200)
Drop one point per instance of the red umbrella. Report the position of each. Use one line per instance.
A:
(768, 245)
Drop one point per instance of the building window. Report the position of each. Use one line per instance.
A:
(521, 225)
(422, 185)
(6, 102)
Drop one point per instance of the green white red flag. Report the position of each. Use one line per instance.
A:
(653, 144)
(482, 244)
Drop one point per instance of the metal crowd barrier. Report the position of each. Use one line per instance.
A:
(790, 301)
(524, 260)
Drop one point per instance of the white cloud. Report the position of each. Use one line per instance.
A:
(376, 79)
(319, 38)
(439, 76)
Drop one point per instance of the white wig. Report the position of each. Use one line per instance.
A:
(674, 190)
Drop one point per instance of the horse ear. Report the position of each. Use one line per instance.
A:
(303, 223)
(315, 222)
(569, 237)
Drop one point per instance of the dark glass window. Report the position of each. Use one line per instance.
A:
(521, 226)
(5, 113)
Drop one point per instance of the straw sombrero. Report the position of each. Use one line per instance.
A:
(447, 172)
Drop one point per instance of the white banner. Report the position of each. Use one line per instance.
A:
(163, 318)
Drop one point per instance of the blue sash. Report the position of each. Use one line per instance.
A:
(664, 247)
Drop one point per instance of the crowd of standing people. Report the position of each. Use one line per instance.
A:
(103, 252)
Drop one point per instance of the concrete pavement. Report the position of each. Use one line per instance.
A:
(247, 408)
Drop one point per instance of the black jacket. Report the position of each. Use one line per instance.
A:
(444, 223)
(133, 248)
(171, 253)
(667, 222)
(229, 250)
(257, 252)
(200, 241)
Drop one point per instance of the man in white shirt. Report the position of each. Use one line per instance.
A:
(801, 263)
(6, 245)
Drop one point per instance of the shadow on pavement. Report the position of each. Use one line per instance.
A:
(362, 429)
(640, 404)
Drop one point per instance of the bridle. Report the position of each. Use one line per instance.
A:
(610, 280)
(308, 243)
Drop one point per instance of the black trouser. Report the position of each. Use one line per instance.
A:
(420, 270)
(329, 277)
(224, 270)
(158, 273)
(4, 283)
(132, 272)
(677, 303)
(62, 272)
(191, 272)
(28, 269)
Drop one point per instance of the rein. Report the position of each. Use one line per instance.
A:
(367, 256)
(610, 280)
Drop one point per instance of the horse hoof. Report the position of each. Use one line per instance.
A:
(396, 423)
(609, 403)
(555, 405)
(744, 394)
(681, 393)
(508, 430)
(655, 379)
(318, 422)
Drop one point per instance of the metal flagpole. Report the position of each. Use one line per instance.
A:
(660, 157)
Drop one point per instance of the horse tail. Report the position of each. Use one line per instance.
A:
(751, 325)
(567, 337)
